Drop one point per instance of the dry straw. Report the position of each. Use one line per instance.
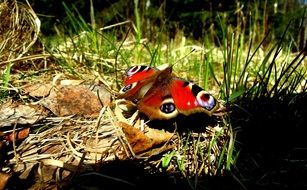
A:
(19, 29)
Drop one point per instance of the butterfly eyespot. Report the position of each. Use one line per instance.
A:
(205, 100)
(168, 107)
(131, 71)
(127, 88)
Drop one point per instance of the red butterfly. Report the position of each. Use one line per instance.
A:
(161, 95)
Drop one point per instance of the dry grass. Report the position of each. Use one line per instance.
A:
(19, 30)
(66, 146)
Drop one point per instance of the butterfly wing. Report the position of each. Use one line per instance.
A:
(189, 98)
(160, 95)
(137, 81)
(170, 96)
(158, 102)
(138, 73)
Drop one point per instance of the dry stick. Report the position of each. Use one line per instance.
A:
(77, 154)
(37, 157)
(78, 168)
(97, 125)
(104, 82)
(36, 23)
(181, 58)
(58, 164)
(30, 57)
(114, 25)
(14, 143)
(120, 135)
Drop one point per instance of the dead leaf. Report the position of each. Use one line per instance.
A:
(141, 142)
(136, 138)
(4, 177)
(38, 90)
(17, 135)
(25, 169)
(159, 136)
(103, 94)
(12, 113)
(73, 100)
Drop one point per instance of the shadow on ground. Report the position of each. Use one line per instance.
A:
(271, 135)
(272, 142)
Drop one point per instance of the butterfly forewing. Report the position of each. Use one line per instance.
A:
(138, 73)
(137, 80)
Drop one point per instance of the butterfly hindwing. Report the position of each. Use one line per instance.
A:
(158, 104)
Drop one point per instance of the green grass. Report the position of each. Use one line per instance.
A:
(238, 67)
(5, 82)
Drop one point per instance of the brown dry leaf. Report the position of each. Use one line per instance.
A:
(51, 149)
(76, 100)
(141, 142)
(2, 148)
(44, 177)
(47, 173)
(25, 169)
(159, 136)
(98, 149)
(18, 135)
(104, 95)
(4, 177)
(136, 138)
(12, 113)
(38, 90)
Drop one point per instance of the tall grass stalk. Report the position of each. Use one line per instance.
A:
(276, 80)
(137, 21)
(206, 62)
(6, 77)
(92, 15)
(76, 20)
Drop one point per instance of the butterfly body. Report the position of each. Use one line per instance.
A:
(161, 95)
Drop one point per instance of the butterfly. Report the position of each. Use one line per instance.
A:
(161, 95)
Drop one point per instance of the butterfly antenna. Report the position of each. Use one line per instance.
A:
(184, 56)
